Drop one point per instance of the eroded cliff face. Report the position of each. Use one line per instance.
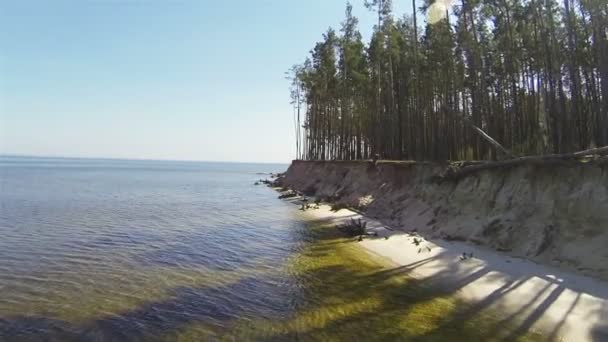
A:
(554, 214)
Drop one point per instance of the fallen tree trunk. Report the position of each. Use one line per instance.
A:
(456, 171)
(592, 151)
(484, 135)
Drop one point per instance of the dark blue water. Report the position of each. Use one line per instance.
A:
(127, 250)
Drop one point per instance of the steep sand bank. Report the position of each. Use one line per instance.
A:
(553, 214)
(561, 305)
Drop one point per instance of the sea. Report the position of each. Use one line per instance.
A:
(126, 250)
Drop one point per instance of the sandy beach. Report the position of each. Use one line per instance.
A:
(561, 305)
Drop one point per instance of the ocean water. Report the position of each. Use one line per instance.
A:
(139, 250)
(118, 250)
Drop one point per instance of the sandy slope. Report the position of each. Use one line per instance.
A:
(565, 306)
(555, 214)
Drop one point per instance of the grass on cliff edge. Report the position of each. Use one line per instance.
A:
(355, 296)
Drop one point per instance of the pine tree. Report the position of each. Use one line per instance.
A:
(484, 79)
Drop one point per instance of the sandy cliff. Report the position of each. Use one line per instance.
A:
(554, 214)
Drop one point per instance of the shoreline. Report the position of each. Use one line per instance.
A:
(552, 215)
(559, 304)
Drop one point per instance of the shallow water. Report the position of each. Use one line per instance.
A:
(135, 248)
(106, 250)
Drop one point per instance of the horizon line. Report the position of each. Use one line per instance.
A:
(135, 159)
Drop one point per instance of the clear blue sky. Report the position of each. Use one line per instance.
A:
(187, 80)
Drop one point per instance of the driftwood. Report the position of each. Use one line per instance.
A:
(454, 172)
(288, 194)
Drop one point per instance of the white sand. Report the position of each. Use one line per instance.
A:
(561, 305)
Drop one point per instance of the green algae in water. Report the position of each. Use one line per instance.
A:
(344, 294)
(352, 295)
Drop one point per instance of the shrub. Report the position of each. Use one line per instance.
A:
(354, 227)
(338, 206)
